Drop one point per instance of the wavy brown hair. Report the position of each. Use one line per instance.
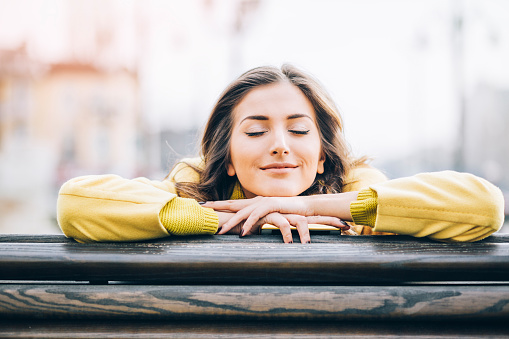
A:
(215, 184)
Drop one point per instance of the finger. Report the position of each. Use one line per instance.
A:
(283, 224)
(226, 228)
(251, 215)
(301, 223)
(239, 217)
(227, 205)
(254, 218)
(255, 230)
(331, 221)
(231, 205)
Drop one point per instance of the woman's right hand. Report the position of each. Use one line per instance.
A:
(284, 222)
(223, 218)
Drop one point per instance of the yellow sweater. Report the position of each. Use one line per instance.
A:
(446, 206)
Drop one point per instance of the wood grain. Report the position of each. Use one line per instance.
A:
(317, 237)
(82, 328)
(224, 286)
(329, 260)
(254, 302)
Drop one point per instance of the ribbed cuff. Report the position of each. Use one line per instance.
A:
(211, 221)
(181, 216)
(363, 210)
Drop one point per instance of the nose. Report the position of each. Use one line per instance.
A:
(279, 144)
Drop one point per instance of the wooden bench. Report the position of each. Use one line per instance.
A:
(210, 286)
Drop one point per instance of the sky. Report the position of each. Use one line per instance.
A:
(390, 65)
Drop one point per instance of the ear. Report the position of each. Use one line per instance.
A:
(230, 170)
(320, 167)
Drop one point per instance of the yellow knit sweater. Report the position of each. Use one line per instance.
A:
(446, 206)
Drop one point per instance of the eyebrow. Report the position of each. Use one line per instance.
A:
(264, 117)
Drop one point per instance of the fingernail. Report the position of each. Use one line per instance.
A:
(308, 242)
(344, 223)
(241, 234)
(291, 242)
(202, 202)
(219, 229)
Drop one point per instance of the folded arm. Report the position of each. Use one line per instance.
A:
(445, 206)
(111, 208)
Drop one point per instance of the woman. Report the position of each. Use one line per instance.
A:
(273, 152)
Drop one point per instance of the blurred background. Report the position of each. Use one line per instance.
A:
(125, 87)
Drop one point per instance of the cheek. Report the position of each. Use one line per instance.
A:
(241, 155)
(312, 152)
(316, 160)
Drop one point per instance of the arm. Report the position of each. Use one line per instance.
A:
(284, 212)
(111, 208)
(329, 209)
(445, 206)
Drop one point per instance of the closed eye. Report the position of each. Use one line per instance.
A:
(254, 134)
(299, 132)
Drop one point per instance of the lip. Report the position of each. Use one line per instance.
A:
(279, 167)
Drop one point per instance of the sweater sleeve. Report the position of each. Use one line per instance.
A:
(363, 210)
(181, 216)
(111, 208)
(445, 206)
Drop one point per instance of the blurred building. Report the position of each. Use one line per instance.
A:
(17, 74)
(124, 86)
(73, 104)
(90, 117)
(59, 121)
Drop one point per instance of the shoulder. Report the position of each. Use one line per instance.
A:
(187, 170)
(362, 176)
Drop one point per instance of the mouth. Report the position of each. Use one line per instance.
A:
(279, 167)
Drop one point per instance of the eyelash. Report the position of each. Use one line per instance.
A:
(299, 132)
(256, 134)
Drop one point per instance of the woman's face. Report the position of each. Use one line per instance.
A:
(275, 145)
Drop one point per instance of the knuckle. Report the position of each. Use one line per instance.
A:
(300, 220)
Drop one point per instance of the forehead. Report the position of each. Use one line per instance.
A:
(276, 100)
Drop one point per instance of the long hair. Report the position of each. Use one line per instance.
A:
(215, 184)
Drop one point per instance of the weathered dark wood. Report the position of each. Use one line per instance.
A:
(249, 329)
(317, 237)
(38, 238)
(329, 260)
(223, 286)
(446, 302)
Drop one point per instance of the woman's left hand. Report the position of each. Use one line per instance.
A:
(255, 209)
(282, 212)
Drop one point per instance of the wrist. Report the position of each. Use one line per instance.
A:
(223, 218)
(334, 205)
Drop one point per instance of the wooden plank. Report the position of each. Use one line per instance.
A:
(249, 329)
(324, 303)
(228, 259)
(317, 237)
(30, 238)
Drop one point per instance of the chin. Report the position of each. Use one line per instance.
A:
(280, 192)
